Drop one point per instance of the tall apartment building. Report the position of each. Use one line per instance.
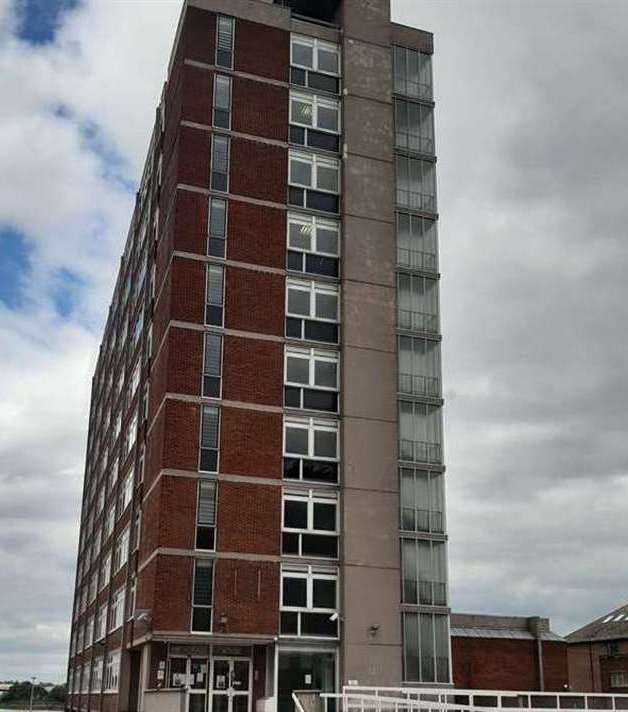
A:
(263, 506)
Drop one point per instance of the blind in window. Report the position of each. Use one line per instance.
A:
(209, 431)
(215, 278)
(207, 504)
(225, 34)
(213, 354)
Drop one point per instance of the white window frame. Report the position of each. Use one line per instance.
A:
(100, 623)
(126, 492)
(312, 356)
(316, 102)
(309, 573)
(315, 162)
(231, 20)
(121, 550)
(112, 671)
(313, 288)
(135, 379)
(229, 110)
(117, 609)
(313, 222)
(97, 670)
(310, 497)
(196, 605)
(105, 570)
(315, 44)
(311, 425)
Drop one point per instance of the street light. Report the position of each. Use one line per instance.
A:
(30, 707)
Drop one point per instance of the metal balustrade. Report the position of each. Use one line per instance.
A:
(407, 699)
(416, 451)
(419, 385)
(417, 321)
(415, 259)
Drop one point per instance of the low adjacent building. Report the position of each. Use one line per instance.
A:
(598, 654)
(507, 653)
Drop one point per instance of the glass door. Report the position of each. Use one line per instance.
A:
(231, 685)
(197, 697)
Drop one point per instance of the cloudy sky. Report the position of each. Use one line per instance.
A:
(533, 169)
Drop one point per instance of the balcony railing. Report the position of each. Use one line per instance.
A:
(407, 699)
(416, 451)
(415, 259)
(422, 520)
(417, 321)
(419, 385)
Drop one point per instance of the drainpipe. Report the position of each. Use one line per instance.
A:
(537, 626)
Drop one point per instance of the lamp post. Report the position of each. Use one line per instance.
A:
(30, 706)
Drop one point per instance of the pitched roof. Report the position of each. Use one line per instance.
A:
(610, 626)
(465, 625)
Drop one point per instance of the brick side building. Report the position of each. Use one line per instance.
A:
(507, 653)
(263, 507)
(598, 654)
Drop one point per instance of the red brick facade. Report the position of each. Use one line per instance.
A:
(508, 664)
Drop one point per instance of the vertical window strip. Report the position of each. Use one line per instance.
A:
(222, 101)
(220, 163)
(217, 228)
(206, 515)
(210, 424)
(225, 27)
(202, 595)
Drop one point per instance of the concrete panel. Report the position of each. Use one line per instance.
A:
(329, 34)
(368, 316)
(371, 520)
(373, 665)
(368, 188)
(367, 20)
(368, 251)
(368, 127)
(368, 70)
(370, 454)
(414, 39)
(369, 384)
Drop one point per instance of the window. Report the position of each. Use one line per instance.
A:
(210, 425)
(311, 379)
(413, 73)
(313, 244)
(612, 647)
(105, 571)
(414, 127)
(93, 587)
(217, 228)
(117, 426)
(420, 432)
(416, 183)
(206, 515)
(112, 672)
(202, 596)
(130, 599)
(315, 64)
(424, 568)
(222, 101)
(309, 602)
(417, 303)
(131, 434)
(419, 366)
(311, 450)
(312, 311)
(220, 163)
(315, 121)
(135, 380)
(314, 181)
(116, 611)
(89, 632)
(126, 493)
(224, 41)
(417, 242)
(121, 550)
(422, 500)
(137, 530)
(214, 311)
(310, 526)
(85, 678)
(100, 624)
(139, 327)
(97, 675)
(212, 366)
(425, 647)
(619, 679)
(109, 522)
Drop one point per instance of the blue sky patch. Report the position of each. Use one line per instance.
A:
(14, 265)
(66, 291)
(39, 19)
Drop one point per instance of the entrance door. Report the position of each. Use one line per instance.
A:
(231, 685)
(304, 670)
(197, 680)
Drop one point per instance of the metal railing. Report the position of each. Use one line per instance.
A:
(405, 699)
(417, 451)
(417, 321)
(419, 385)
(415, 259)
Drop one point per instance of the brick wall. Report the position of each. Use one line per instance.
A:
(257, 234)
(246, 594)
(252, 371)
(259, 170)
(507, 664)
(251, 443)
(254, 301)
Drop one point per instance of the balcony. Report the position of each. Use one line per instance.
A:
(321, 10)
